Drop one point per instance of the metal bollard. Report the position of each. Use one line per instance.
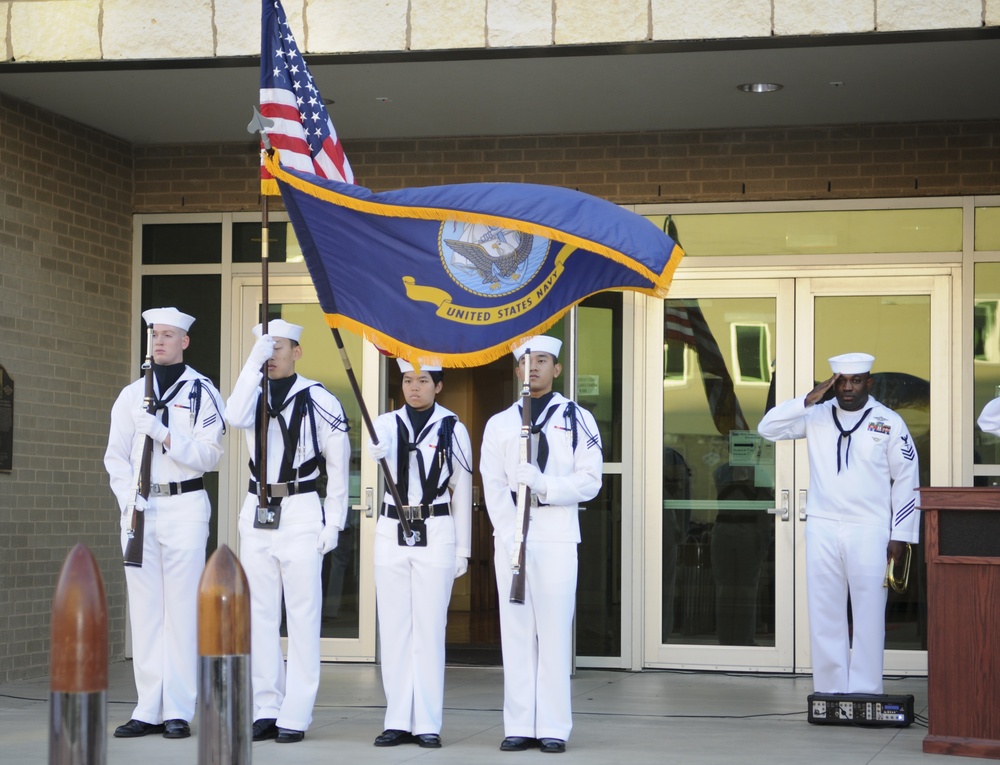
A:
(78, 664)
(224, 710)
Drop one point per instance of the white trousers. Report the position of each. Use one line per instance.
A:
(536, 640)
(841, 558)
(163, 615)
(413, 588)
(283, 562)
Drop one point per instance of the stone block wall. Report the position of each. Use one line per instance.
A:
(65, 312)
(89, 30)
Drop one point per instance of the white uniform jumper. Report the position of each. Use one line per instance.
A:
(163, 592)
(536, 637)
(863, 480)
(285, 561)
(413, 584)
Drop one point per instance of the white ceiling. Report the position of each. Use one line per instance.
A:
(885, 78)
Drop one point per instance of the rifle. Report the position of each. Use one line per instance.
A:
(517, 566)
(137, 524)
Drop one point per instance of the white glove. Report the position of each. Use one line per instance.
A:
(461, 566)
(140, 504)
(262, 350)
(532, 477)
(148, 425)
(328, 538)
(379, 450)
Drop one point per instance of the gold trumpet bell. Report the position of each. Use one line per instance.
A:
(899, 585)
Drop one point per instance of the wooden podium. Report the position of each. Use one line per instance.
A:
(963, 620)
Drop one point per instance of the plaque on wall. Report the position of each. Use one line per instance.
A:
(6, 422)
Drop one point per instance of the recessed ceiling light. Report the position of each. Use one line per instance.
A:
(760, 87)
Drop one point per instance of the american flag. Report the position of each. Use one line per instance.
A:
(302, 131)
(685, 322)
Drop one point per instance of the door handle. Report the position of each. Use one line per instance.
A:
(782, 510)
(475, 498)
(369, 502)
(802, 504)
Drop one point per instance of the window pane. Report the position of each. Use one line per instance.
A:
(167, 244)
(598, 594)
(988, 228)
(820, 232)
(283, 247)
(599, 367)
(986, 367)
(718, 474)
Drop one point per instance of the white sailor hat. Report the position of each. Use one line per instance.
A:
(280, 328)
(538, 344)
(852, 363)
(170, 316)
(405, 366)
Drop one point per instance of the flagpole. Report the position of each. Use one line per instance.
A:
(262, 498)
(408, 534)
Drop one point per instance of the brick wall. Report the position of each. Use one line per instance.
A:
(824, 162)
(65, 281)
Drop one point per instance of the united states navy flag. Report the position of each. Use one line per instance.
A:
(454, 275)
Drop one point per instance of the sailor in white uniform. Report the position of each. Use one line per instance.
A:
(282, 553)
(989, 418)
(187, 430)
(862, 510)
(566, 467)
(430, 458)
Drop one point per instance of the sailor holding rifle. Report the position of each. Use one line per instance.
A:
(536, 635)
(187, 430)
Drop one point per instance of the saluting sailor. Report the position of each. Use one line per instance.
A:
(536, 636)
(283, 553)
(430, 458)
(862, 508)
(187, 430)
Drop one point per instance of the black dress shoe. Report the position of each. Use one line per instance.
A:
(393, 737)
(552, 745)
(428, 740)
(135, 728)
(264, 729)
(176, 729)
(289, 736)
(517, 743)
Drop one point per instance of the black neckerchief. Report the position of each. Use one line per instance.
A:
(846, 435)
(279, 390)
(418, 419)
(538, 428)
(167, 375)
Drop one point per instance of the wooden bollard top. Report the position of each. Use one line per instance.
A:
(78, 659)
(223, 607)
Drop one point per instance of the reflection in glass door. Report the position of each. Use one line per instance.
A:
(348, 622)
(724, 558)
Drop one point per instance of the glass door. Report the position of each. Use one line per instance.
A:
(904, 321)
(348, 625)
(720, 574)
(726, 510)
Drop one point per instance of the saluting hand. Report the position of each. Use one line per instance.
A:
(262, 350)
(816, 394)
